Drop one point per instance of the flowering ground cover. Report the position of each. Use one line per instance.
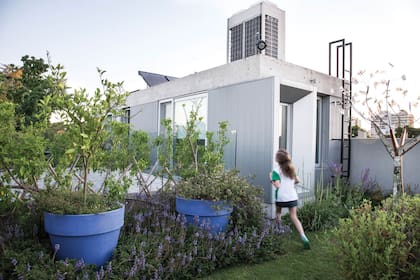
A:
(155, 244)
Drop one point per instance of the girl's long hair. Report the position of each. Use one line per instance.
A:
(285, 162)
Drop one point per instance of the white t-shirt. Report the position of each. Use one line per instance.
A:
(287, 191)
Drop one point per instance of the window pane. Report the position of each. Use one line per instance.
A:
(183, 108)
(165, 114)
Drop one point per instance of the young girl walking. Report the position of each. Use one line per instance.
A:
(284, 178)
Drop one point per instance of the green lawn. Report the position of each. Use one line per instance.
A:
(317, 263)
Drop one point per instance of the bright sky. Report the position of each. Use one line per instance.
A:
(180, 37)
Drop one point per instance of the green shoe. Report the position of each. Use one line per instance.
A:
(306, 243)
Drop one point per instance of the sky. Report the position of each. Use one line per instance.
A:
(180, 37)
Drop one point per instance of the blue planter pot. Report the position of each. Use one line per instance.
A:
(215, 214)
(91, 237)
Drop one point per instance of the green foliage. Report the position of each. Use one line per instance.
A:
(200, 166)
(411, 131)
(69, 202)
(155, 244)
(226, 186)
(22, 158)
(189, 156)
(382, 242)
(26, 86)
(332, 202)
(355, 131)
(316, 216)
(90, 140)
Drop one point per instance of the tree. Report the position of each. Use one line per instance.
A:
(381, 103)
(26, 86)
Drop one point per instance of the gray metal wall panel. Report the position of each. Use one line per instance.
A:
(248, 109)
(145, 117)
(330, 147)
(371, 154)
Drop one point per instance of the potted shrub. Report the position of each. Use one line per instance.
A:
(205, 192)
(208, 199)
(82, 219)
(77, 170)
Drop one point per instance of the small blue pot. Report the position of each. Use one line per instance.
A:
(214, 214)
(91, 237)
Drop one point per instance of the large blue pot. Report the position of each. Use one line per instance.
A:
(214, 215)
(91, 237)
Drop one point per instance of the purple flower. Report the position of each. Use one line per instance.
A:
(56, 248)
(142, 261)
(28, 267)
(109, 268)
(139, 217)
(336, 169)
(101, 273)
(80, 264)
(14, 262)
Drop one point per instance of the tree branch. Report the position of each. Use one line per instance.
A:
(409, 145)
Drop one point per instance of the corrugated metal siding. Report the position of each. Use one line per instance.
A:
(248, 109)
(371, 154)
(145, 117)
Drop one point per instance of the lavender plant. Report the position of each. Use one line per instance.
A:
(155, 244)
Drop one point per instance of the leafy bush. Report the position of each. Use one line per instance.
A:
(332, 202)
(382, 242)
(227, 186)
(320, 215)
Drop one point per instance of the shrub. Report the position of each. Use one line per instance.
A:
(382, 242)
(320, 215)
(331, 203)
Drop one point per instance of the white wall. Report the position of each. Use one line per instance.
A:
(303, 138)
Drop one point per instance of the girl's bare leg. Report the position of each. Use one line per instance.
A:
(298, 226)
